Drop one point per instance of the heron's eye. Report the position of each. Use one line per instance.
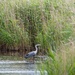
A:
(37, 46)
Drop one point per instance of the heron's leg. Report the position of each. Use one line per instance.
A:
(33, 59)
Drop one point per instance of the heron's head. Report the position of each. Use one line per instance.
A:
(37, 45)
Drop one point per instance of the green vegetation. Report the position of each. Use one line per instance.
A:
(24, 23)
(61, 62)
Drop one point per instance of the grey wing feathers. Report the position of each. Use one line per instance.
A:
(30, 54)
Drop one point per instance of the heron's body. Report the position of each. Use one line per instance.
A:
(33, 53)
(30, 54)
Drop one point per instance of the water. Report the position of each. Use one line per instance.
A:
(18, 68)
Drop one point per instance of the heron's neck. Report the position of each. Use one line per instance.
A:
(36, 49)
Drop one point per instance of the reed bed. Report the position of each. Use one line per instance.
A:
(24, 23)
(61, 62)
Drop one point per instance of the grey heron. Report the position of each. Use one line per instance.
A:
(32, 53)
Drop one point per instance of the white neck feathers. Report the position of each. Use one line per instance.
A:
(36, 49)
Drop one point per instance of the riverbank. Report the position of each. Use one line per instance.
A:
(14, 58)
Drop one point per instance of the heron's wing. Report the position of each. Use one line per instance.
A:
(33, 52)
(30, 54)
